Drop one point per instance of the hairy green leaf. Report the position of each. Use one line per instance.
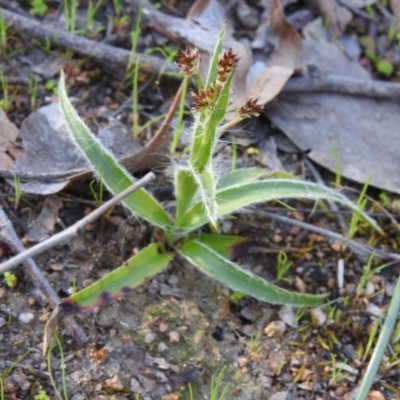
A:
(141, 267)
(114, 176)
(232, 275)
(236, 197)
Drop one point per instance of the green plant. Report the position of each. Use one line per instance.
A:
(11, 279)
(6, 101)
(214, 388)
(89, 24)
(62, 366)
(3, 35)
(384, 67)
(98, 197)
(17, 191)
(38, 7)
(51, 85)
(8, 371)
(33, 85)
(282, 266)
(70, 15)
(202, 197)
(42, 395)
(368, 273)
(361, 203)
(337, 373)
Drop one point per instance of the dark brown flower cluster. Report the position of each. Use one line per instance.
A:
(227, 64)
(205, 98)
(250, 108)
(188, 61)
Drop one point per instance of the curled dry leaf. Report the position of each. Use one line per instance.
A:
(9, 150)
(337, 16)
(270, 80)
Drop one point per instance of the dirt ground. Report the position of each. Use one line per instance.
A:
(181, 327)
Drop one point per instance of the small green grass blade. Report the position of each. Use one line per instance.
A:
(114, 176)
(235, 198)
(248, 175)
(141, 267)
(238, 279)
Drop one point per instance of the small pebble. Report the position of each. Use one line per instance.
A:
(161, 347)
(174, 337)
(25, 318)
(149, 337)
(2, 321)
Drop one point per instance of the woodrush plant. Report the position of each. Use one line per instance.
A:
(203, 196)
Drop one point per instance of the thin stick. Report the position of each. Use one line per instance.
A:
(343, 85)
(73, 230)
(332, 205)
(357, 247)
(34, 29)
(8, 235)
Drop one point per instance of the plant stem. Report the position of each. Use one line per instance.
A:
(381, 345)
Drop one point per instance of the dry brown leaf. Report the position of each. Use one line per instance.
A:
(9, 151)
(337, 16)
(359, 130)
(284, 61)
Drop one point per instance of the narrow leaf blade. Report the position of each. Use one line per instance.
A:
(141, 267)
(233, 198)
(228, 246)
(238, 279)
(114, 176)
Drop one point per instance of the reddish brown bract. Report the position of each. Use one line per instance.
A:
(250, 108)
(227, 64)
(188, 61)
(205, 98)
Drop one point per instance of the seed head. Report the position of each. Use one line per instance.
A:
(250, 108)
(188, 61)
(227, 64)
(205, 98)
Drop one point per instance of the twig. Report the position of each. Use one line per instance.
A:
(73, 230)
(344, 85)
(86, 47)
(8, 235)
(357, 247)
(332, 205)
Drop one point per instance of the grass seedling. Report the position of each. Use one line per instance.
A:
(62, 366)
(371, 339)
(368, 273)
(355, 218)
(282, 266)
(234, 154)
(133, 59)
(216, 385)
(70, 7)
(254, 345)
(11, 279)
(337, 374)
(38, 7)
(214, 388)
(98, 197)
(203, 197)
(8, 371)
(3, 36)
(89, 24)
(181, 123)
(6, 101)
(17, 191)
(42, 395)
(33, 85)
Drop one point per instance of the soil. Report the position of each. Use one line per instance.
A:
(182, 328)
